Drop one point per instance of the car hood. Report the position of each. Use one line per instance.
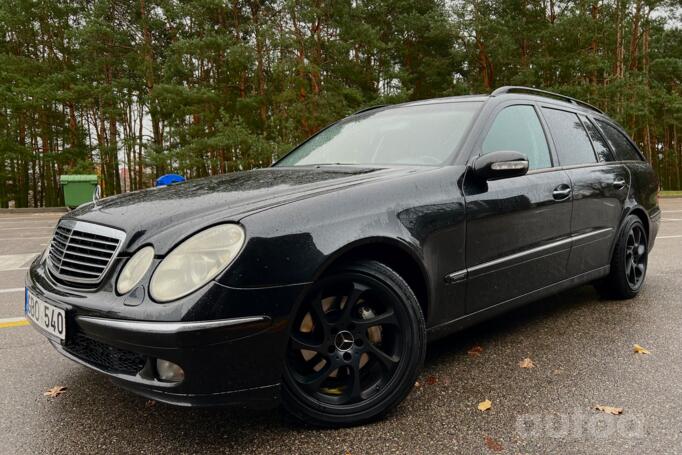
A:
(164, 215)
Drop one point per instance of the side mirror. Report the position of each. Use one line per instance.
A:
(500, 165)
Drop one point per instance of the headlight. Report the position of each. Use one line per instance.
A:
(134, 270)
(196, 261)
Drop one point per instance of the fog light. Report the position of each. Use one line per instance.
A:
(169, 371)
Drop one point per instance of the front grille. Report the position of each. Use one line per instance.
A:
(81, 253)
(103, 356)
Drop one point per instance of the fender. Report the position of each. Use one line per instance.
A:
(628, 211)
(334, 258)
(400, 244)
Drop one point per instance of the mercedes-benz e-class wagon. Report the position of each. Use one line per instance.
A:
(318, 281)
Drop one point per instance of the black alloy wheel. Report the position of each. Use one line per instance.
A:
(629, 261)
(635, 256)
(355, 347)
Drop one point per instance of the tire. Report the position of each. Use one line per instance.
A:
(355, 347)
(628, 263)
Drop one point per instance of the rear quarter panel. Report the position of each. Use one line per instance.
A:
(644, 194)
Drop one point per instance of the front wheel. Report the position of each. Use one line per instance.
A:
(629, 261)
(355, 348)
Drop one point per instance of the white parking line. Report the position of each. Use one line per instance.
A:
(35, 218)
(668, 237)
(15, 261)
(25, 228)
(7, 291)
(37, 221)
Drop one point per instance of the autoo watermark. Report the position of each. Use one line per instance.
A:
(580, 424)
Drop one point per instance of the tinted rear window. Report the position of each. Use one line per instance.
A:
(621, 146)
(598, 142)
(570, 137)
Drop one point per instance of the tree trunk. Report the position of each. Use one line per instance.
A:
(619, 69)
(634, 36)
(485, 64)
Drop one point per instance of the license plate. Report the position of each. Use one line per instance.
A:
(47, 317)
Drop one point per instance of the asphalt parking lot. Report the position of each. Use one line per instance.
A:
(581, 346)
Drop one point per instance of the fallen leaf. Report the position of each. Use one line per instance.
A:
(150, 404)
(485, 405)
(475, 351)
(609, 410)
(431, 380)
(416, 384)
(493, 444)
(55, 391)
(640, 350)
(526, 363)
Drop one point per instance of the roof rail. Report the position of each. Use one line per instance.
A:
(377, 106)
(536, 91)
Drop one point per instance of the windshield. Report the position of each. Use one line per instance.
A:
(426, 135)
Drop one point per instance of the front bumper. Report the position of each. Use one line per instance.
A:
(232, 359)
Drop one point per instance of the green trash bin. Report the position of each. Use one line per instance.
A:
(78, 189)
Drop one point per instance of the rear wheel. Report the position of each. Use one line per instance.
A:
(355, 348)
(629, 261)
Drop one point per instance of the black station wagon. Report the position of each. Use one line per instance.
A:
(317, 282)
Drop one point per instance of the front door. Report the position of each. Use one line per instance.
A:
(518, 229)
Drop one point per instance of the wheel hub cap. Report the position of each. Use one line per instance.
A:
(344, 340)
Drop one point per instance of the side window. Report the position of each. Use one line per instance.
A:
(598, 142)
(518, 128)
(620, 145)
(570, 137)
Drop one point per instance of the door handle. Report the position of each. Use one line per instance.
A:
(619, 183)
(561, 192)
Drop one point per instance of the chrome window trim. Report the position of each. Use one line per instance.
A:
(89, 228)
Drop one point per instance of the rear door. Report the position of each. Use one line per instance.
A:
(600, 186)
(518, 229)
